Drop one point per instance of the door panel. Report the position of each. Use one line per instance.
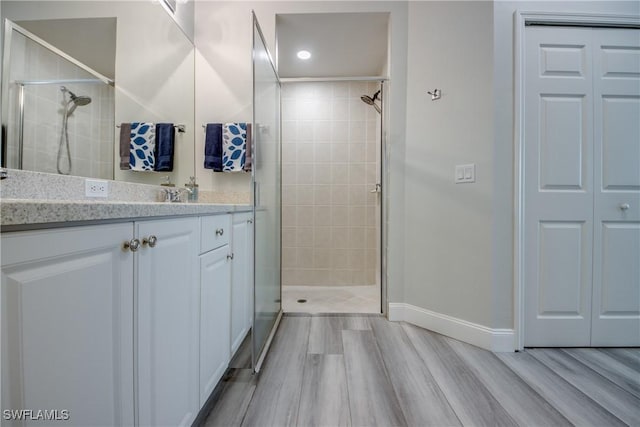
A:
(562, 142)
(619, 154)
(558, 187)
(215, 316)
(167, 323)
(582, 171)
(616, 279)
(562, 284)
(67, 325)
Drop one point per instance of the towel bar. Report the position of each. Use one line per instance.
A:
(179, 127)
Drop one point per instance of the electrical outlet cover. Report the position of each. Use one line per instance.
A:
(96, 188)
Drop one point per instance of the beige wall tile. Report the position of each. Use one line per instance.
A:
(305, 216)
(289, 196)
(289, 237)
(305, 194)
(304, 237)
(322, 152)
(357, 152)
(322, 258)
(339, 173)
(340, 237)
(289, 257)
(304, 173)
(305, 257)
(322, 195)
(339, 259)
(322, 237)
(322, 174)
(339, 194)
(323, 215)
(339, 215)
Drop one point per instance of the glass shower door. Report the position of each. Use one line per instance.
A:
(266, 196)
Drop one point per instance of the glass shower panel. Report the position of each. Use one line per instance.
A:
(266, 195)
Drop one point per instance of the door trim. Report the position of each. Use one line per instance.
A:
(521, 20)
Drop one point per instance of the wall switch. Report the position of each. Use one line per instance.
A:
(465, 173)
(96, 188)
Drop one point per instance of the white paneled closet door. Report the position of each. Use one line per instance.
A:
(582, 169)
(616, 249)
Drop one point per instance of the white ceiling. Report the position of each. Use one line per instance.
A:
(341, 44)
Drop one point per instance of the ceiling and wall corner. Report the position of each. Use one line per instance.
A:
(97, 47)
(340, 44)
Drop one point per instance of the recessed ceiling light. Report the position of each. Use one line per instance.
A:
(304, 54)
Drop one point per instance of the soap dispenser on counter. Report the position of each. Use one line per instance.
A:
(193, 195)
(167, 182)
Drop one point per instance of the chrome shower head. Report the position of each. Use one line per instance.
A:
(372, 101)
(81, 100)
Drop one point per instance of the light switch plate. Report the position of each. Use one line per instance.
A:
(465, 173)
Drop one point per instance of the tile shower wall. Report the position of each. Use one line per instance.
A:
(90, 127)
(330, 162)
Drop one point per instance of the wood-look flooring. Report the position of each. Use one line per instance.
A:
(359, 370)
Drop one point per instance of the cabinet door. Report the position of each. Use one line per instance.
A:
(241, 280)
(67, 324)
(167, 322)
(215, 303)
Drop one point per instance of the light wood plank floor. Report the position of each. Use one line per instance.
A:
(361, 370)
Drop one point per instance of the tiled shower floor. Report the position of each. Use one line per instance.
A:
(331, 299)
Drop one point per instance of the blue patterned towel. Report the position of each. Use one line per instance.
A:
(165, 139)
(142, 154)
(213, 147)
(234, 146)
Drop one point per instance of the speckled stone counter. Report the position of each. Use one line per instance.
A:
(20, 214)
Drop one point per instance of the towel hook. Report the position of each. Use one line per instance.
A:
(435, 95)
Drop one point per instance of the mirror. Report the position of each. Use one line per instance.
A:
(74, 71)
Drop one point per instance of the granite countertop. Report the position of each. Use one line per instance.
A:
(23, 213)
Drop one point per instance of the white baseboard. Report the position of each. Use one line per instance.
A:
(496, 340)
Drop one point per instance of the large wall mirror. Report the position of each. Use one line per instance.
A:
(73, 72)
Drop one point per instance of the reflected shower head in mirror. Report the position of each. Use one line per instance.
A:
(65, 169)
(75, 100)
(372, 101)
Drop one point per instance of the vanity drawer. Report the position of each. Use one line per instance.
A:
(216, 231)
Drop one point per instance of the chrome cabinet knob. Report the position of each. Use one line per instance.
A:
(250, 221)
(132, 245)
(230, 256)
(624, 206)
(377, 189)
(151, 241)
(219, 232)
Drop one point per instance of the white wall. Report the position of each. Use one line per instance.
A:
(448, 226)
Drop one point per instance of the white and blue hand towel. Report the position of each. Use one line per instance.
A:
(234, 144)
(142, 155)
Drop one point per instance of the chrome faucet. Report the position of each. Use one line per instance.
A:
(174, 195)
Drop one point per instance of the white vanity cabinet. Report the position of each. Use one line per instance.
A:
(167, 314)
(215, 301)
(123, 324)
(67, 324)
(241, 278)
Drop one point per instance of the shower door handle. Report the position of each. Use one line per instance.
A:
(378, 189)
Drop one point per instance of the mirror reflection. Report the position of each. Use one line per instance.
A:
(75, 72)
